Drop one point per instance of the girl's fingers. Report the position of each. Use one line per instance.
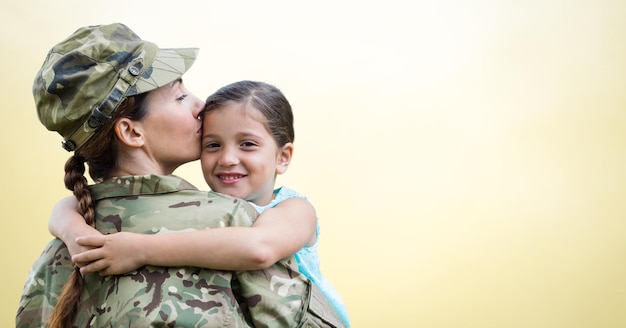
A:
(90, 241)
(93, 267)
(88, 256)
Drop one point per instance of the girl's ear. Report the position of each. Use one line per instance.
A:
(284, 158)
(129, 132)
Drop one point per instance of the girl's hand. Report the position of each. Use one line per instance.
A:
(75, 248)
(111, 254)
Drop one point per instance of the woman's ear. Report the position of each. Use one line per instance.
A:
(129, 132)
(284, 158)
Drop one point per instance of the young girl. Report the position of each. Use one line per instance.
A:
(247, 141)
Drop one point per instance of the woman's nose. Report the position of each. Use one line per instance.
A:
(198, 106)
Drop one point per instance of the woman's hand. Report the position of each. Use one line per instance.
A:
(111, 254)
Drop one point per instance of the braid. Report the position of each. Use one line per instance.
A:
(67, 303)
(76, 182)
(100, 153)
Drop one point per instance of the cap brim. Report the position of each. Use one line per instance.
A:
(168, 65)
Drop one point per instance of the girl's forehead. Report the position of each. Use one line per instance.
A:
(237, 116)
(244, 109)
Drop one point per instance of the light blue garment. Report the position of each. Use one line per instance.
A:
(307, 257)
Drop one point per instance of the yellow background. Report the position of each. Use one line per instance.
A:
(467, 158)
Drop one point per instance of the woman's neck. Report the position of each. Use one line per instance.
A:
(135, 164)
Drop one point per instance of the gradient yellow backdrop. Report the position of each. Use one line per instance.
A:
(467, 158)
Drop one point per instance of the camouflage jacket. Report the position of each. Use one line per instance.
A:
(177, 296)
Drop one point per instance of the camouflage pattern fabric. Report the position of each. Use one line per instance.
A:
(178, 296)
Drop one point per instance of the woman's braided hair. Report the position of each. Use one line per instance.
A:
(100, 154)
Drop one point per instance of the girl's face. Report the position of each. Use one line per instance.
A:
(172, 129)
(239, 155)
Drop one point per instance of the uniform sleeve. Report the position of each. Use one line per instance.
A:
(45, 282)
(280, 296)
(243, 214)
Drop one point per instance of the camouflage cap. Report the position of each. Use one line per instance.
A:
(85, 78)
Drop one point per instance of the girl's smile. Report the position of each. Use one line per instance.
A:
(239, 155)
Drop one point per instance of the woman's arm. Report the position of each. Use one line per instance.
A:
(67, 224)
(279, 232)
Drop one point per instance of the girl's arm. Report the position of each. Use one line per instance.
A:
(279, 232)
(66, 224)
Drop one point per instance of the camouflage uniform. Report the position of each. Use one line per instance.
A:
(177, 296)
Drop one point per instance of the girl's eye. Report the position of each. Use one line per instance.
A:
(248, 144)
(212, 145)
(181, 98)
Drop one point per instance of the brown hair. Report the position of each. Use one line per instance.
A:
(100, 154)
(266, 98)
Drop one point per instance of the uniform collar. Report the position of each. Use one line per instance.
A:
(137, 185)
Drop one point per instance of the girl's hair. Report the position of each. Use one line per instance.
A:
(100, 154)
(266, 98)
